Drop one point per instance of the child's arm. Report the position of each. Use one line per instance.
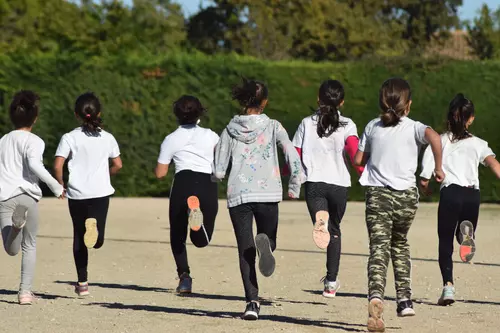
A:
(161, 170)
(35, 164)
(114, 155)
(293, 160)
(427, 170)
(434, 140)
(58, 169)
(493, 164)
(222, 155)
(116, 165)
(351, 147)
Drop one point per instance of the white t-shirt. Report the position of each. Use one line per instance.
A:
(323, 158)
(89, 163)
(393, 153)
(191, 147)
(461, 160)
(21, 166)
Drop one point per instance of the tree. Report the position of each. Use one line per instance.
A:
(424, 20)
(484, 34)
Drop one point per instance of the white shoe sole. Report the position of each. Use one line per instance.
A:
(91, 233)
(321, 235)
(409, 312)
(250, 315)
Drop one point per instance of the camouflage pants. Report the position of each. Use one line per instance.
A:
(389, 215)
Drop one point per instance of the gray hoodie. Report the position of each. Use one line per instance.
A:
(250, 143)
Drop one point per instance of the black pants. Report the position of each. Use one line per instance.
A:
(189, 183)
(80, 211)
(456, 204)
(266, 217)
(333, 199)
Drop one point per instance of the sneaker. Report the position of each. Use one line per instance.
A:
(252, 311)
(405, 308)
(19, 217)
(375, 316)
(82, 289)
(195, 216)
(331, 288)
(321, 236)
(26, 297)
(185, 284)
(267, 263)
(91, 233)
(447, 296)
(467, 246)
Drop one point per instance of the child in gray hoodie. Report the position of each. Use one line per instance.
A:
(254, 188)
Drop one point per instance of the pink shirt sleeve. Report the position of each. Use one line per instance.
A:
(351, 147)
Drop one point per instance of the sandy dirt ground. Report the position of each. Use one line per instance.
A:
(133, 278)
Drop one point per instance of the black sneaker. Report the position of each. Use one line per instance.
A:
(185, 284)
(405, 309)
(267, 264)
(252, 311)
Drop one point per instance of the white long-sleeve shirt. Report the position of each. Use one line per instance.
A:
(21, 166)
(461, 160)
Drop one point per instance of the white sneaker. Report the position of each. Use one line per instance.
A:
(331, 288)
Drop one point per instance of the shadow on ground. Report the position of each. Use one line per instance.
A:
(135, 287)
(347, 327)
(424, 301)
(44, 296)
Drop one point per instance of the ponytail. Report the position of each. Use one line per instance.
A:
(460, 111)
(88, 109)
(331, 96)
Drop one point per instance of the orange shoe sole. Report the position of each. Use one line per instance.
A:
(195, 217)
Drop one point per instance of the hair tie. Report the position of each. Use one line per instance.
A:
(391, 110)
(87, 116)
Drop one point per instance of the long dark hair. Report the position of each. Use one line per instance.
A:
(250, 94)
(330, 96)
(460, 111)
(88, 109)
(394, 100)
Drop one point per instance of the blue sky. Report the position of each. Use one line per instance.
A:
(467, 11)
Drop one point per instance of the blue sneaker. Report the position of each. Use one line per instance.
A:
(447, 296)
(185, 284)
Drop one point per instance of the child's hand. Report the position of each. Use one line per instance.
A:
(63, 195)
(291, 196)
(439, 175)
(424, 185)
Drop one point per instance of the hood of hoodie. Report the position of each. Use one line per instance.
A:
(247, 128)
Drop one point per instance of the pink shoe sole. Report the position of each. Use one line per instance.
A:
(321, 236)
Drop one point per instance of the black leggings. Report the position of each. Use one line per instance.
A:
(80, 211)
(266, 218)
(333, 199)
(456, 204)
(189, 183)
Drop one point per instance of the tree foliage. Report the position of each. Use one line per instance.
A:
(484, 34)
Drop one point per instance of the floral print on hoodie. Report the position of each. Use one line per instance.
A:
(250, 143)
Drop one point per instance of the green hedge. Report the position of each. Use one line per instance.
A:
(137, 107)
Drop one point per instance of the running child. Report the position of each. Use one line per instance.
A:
(459, 201)
(321, 141)
(391, 145)
(88, 148)
(250, 142)
(193, 197)
(21, 167)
